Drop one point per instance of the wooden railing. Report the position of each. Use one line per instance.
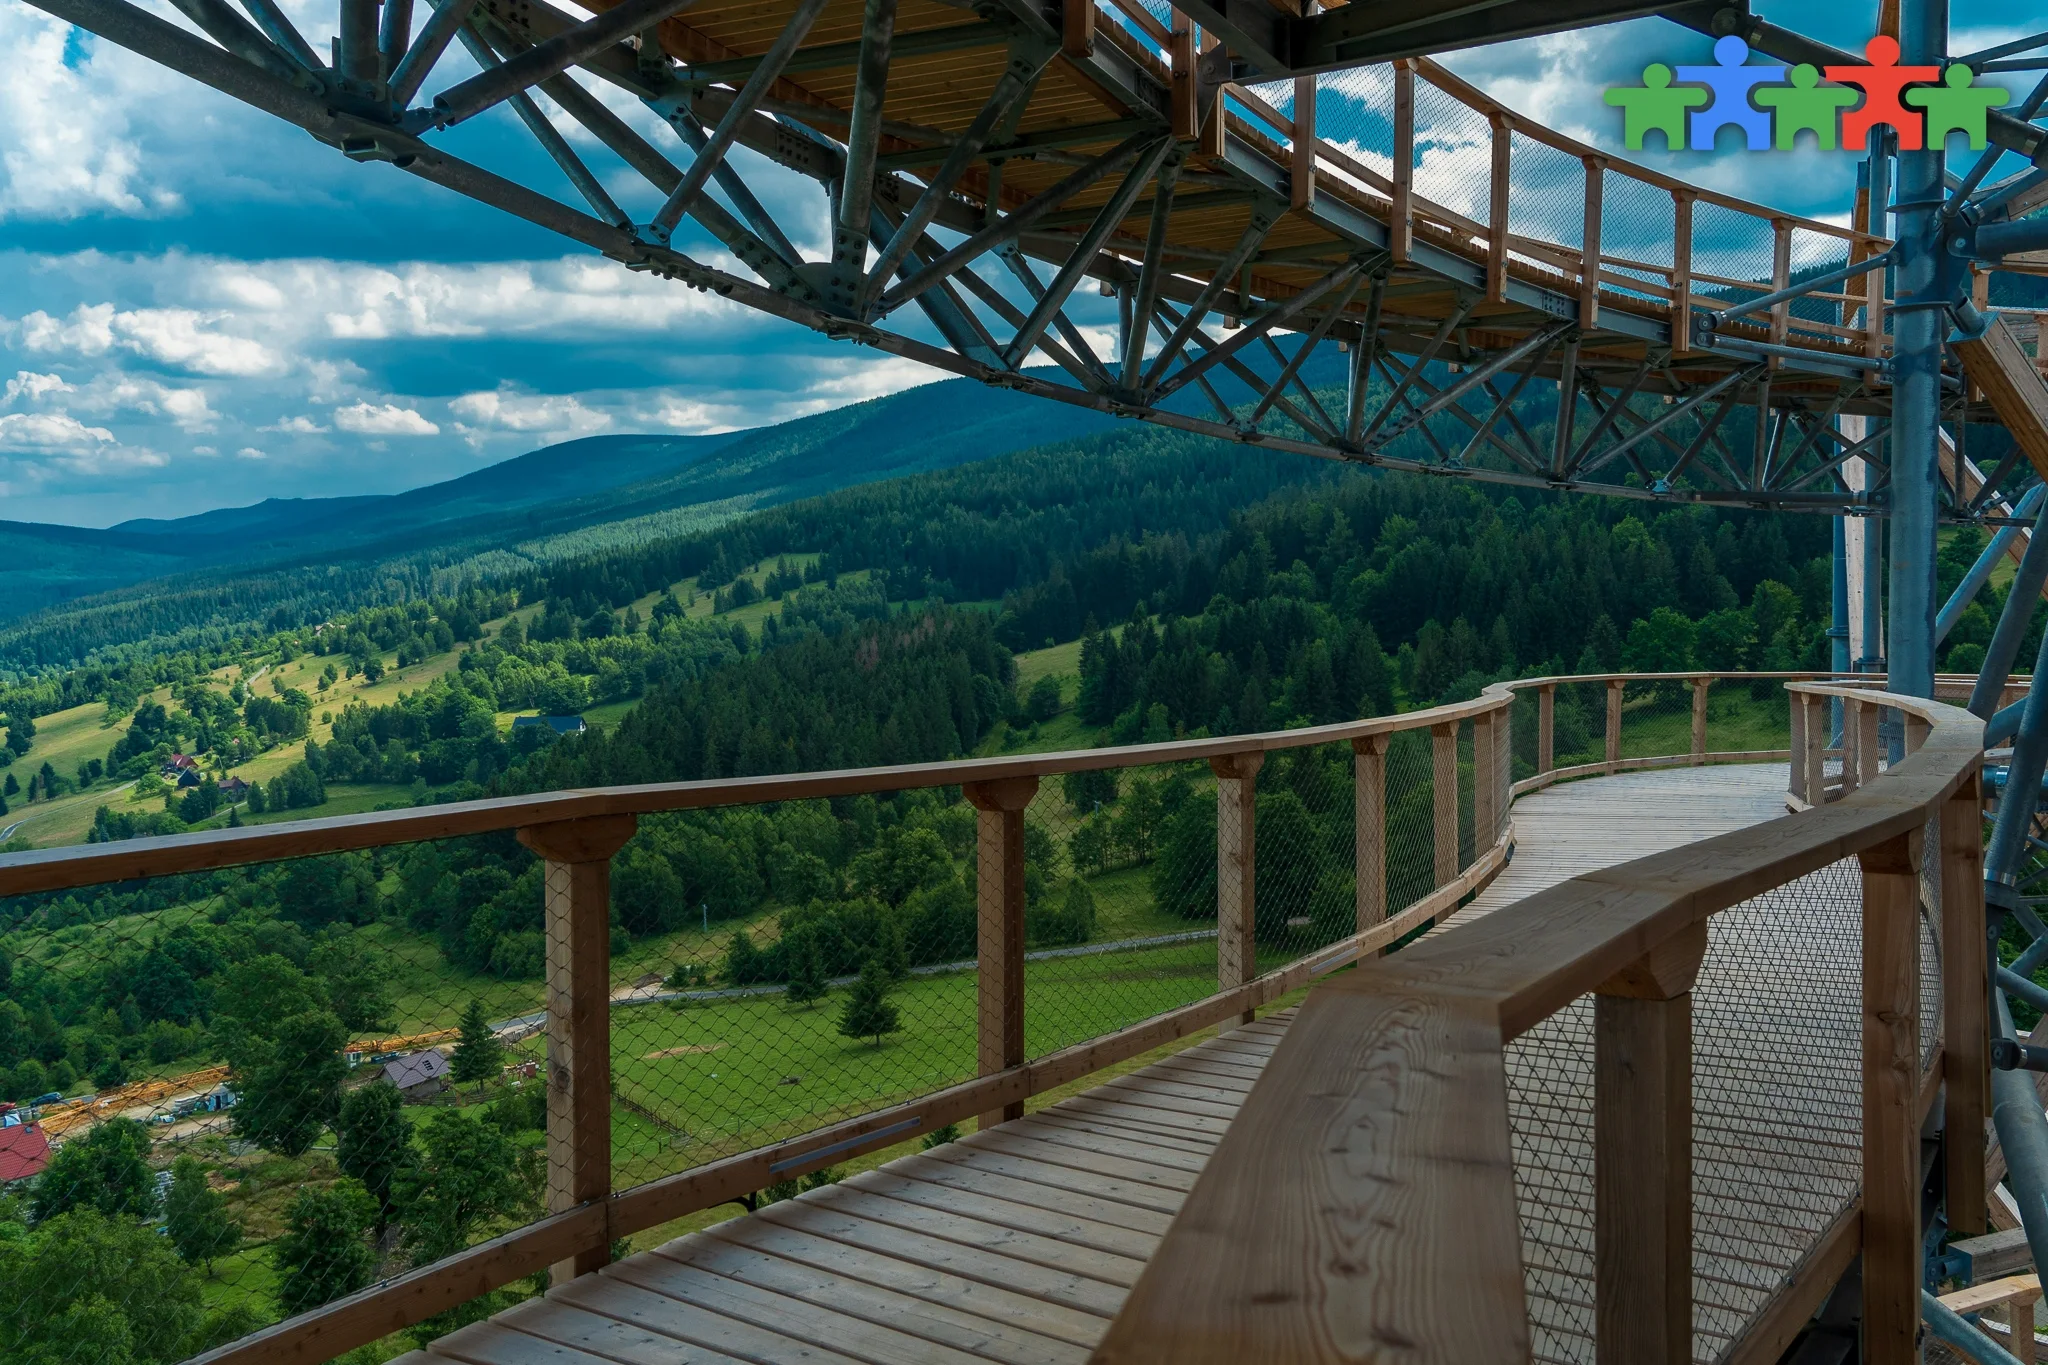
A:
(576, 833)
(1362, 1204)
(1577, 263)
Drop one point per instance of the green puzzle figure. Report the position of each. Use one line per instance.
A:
(1957, 105)
(1805, 104)
(1655, 106)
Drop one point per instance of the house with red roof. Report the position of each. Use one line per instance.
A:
(24, 1151)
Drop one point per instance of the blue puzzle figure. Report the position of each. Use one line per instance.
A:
(1731, 82)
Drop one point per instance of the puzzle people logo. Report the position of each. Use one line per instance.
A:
(1734, 94)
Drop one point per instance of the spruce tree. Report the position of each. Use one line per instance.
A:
(806, 969)
(479, 1055)
(868, 1013)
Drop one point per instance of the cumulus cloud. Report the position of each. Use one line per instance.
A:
(33, 431)
(35, 387)
(505, 410)
(182, 338)
(383, 419)
(296, 426)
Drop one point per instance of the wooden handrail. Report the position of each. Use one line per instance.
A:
(1365, 1192)
(60, 869)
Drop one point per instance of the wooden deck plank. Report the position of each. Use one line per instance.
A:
(810, 1285)
(653, 1299)
(569, 1317)
(1000, 1306)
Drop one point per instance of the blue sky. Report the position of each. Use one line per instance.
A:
(201, 307)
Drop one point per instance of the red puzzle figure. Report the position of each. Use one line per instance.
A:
(1881, 82)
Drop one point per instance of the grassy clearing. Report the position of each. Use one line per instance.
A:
(1055, 661)
(728, 1075)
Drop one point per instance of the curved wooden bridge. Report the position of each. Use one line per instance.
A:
(1021, 1244)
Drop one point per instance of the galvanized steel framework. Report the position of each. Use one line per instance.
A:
(964, 223)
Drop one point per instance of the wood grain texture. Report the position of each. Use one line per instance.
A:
(576, 908)
(1891, 1085)
(1642, 1167)
(1443, 785)
(1965, 1008)
(1237, 870)
(1369, 810)
(999, 932)
(1338, 1226)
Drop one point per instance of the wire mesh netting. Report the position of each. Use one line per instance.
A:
(1549, 202)
(235, 1095)
(1453, 152)
(1728, 245)
(1777, 1077)
(1636, 223)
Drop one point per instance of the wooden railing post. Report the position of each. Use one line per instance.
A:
(1183, 96)
(1401, 231)
(1077, 28)
(1236, 870)
(1497, 209)
(1699, 719)
(1815, 709)
(999, 929)
(1642, 1156)
(1483, 794)
(1891, 1089)
(577, 897)
(1868, 751)
(1681, 271)
(1443, 781)
(1589, 262)
(1966, 1006)
(1369, 800)
(1852, 735)
(1546, 727)
(1614, 690)
(1795, 782)
(1301, 189)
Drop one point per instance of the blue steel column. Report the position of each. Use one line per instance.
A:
(1838, 629)
(1918, 322)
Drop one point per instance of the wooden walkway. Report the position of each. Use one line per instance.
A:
(1019, 1245)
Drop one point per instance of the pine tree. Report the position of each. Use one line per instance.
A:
(196, 1216)
(868, 1013)
(479, 1055)
(806, 969)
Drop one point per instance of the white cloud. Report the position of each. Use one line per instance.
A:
(35, 386)
(297, 426)
(251, 453)
(49, 431)
(505, 410)
(180, 337)
(383, 419)
(67, 149)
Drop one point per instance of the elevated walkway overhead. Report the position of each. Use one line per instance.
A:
(1020, 1244)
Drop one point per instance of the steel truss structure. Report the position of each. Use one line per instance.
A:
(983, 167)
